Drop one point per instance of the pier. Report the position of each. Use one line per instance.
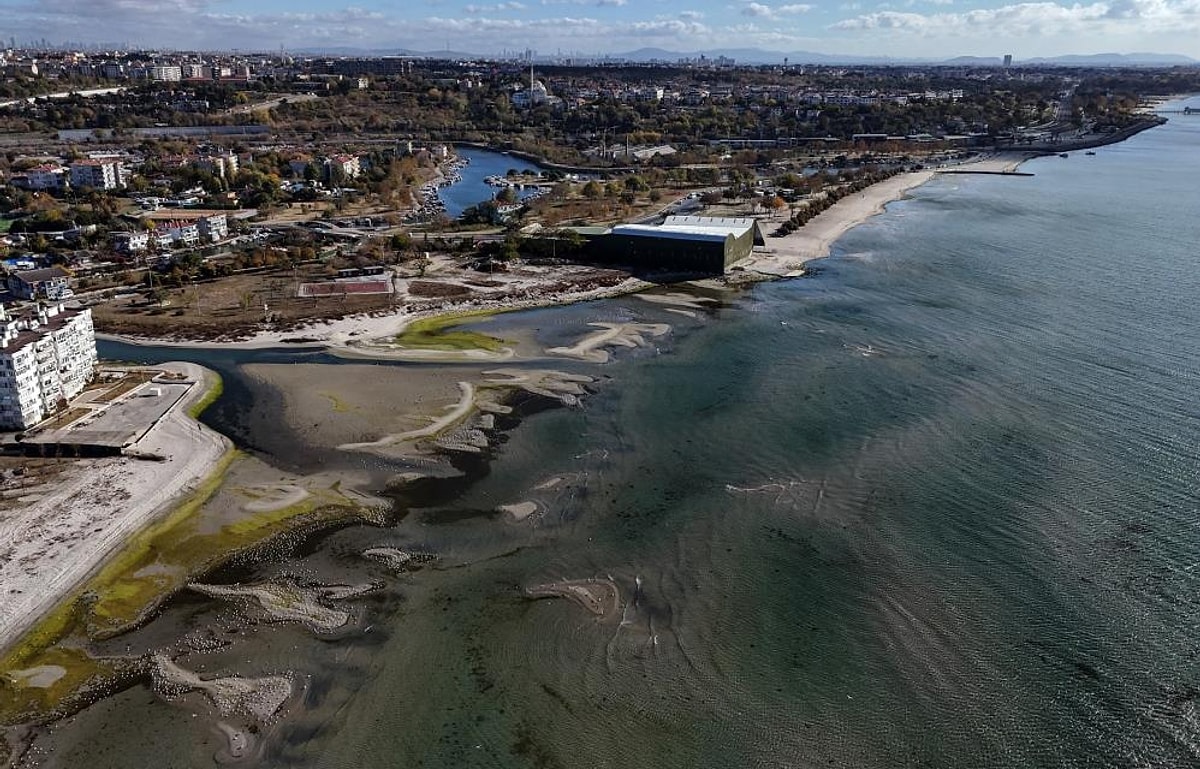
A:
(982, 172)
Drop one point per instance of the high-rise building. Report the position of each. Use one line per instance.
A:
(46, 359)
(1007, 60)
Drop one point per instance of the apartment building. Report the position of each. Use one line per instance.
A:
(46, 359)
(98, 174)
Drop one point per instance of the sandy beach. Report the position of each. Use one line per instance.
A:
(785, 257)
(55, 536)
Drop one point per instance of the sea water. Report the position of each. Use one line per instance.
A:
(934, 505)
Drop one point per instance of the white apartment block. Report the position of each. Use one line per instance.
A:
(46, 359)
(224, 165)
(170, 72)
(98, 174)
(131, 242)
(214, 228)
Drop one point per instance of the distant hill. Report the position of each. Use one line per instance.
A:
(759, 56)
(1115, 60)
(974, 61)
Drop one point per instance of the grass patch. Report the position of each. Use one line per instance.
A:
(66, 418)
(126, 384)
(196, 409)
(437, 333)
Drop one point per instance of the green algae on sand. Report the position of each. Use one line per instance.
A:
(198, 535)
(440, 333)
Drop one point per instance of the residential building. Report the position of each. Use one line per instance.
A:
(98, 174)
(131, 242)
(48, 176)
(46, 359)
(184, 233)
(169, 72)
(345, 165)
(48, 283)
(214, 228)
(222, 164)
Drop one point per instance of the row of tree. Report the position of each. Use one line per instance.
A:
(832, 195)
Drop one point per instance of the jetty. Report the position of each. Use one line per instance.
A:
(983, 172)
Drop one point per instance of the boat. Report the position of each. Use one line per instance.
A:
(1064, 155)
(1089, 152)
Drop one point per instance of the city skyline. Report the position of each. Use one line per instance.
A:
(928, 29)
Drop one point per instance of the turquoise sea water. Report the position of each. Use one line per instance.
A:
(936, 506)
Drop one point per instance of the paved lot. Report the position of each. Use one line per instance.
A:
(124, 421)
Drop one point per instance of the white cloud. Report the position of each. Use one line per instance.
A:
(509, 6)
(1036, 19)
(910, 27)
(761, 11)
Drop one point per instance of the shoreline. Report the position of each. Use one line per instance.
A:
(154, 495)
(59, 540)
(782, 258)
(785, 257)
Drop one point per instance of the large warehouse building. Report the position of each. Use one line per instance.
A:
(701, 244)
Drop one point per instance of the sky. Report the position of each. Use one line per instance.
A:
(899, 28)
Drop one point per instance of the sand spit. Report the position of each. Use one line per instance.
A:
(556, 385)
(249, 703)
(463, 425)
(591, 347)
(599, 596)
(289, 602)
(457, 412)
(679, 300)
(380, 349)
(397, 559)
(233, 696)
(519, 511)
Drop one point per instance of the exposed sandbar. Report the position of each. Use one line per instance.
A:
(519, 511)
(259, 699)
(599, 596)
(286, 602)
(591, 347)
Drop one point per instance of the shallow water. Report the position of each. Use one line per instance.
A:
(934, 506)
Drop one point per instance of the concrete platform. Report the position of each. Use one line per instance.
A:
(121, 423)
